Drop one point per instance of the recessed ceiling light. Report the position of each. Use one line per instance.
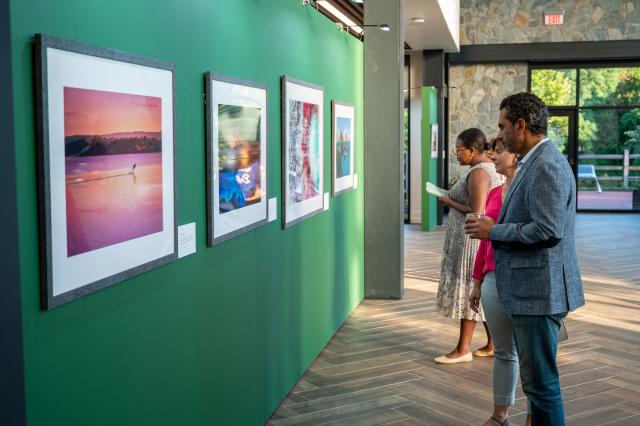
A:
(384, 27)
(417, 20)
(358, 1)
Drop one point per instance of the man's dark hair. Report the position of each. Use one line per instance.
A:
(473, 138)
(530, 108)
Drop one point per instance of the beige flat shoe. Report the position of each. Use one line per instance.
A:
(482, 353)
(464, 358)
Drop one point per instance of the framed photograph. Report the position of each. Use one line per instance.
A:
(106, 166)
(342, 146)
(302, 150)
(434, 140)
(236, 156)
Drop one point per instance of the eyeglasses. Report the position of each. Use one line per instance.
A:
(457, 150)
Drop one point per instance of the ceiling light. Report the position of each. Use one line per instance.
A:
(339, 15)
(417, 20)
(358, 1)
(384, 27)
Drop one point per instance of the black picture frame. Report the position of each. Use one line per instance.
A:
(42, 45)
(286, 221)
(210, 77)
(334, 189)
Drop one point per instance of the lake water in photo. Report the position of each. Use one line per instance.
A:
(109, 201)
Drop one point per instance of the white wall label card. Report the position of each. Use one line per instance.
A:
(326, 201)
(186, 239)
(273, 209)
(355, 181)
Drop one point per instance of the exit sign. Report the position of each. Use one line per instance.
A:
(554, 18)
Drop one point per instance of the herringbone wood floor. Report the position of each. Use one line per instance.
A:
(379, 369)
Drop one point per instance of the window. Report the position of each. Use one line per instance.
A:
(605, 101)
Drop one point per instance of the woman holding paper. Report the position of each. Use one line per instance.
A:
(468, 195)
(505, 363)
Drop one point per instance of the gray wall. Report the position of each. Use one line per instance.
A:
(383, 160)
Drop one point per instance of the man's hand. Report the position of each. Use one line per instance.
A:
(479, 228)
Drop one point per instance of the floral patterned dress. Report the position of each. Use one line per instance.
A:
(459, 254)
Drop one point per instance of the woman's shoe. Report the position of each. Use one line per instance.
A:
(504, 422)
(468, 357)
(483, 353)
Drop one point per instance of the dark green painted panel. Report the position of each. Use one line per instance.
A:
(221, 336)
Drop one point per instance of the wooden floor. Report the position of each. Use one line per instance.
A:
(379, 369)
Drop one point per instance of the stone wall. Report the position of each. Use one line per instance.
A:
(513, 21)
(475, 93)
(476, 90)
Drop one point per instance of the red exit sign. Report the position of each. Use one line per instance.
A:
(554, 18)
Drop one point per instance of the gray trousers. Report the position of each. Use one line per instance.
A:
(505, 361)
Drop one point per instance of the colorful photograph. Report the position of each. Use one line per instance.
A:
(238, 156)
(343, 147)
(304, 151)
(113, 167)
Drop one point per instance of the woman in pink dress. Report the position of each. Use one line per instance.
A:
(505, 361)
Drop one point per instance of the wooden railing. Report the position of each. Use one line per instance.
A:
(626, 166)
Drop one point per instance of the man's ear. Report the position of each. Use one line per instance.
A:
(520, 126)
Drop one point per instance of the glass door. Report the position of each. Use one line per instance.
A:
(595, 121)
(561, 130)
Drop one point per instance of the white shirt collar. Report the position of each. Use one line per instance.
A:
(524, 159)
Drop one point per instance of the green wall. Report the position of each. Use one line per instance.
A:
(429, 166)
(221, 336)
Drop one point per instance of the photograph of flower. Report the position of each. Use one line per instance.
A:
(302, 150)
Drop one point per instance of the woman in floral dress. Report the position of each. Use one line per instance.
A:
(468, 195)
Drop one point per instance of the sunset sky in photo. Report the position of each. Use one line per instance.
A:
(96, 112)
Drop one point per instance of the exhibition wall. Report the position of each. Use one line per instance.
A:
(219, 336)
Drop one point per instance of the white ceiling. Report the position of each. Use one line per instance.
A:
(441, 26)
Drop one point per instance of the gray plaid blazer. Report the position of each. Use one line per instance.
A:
(537, 270)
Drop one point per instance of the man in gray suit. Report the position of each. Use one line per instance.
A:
(537, 274)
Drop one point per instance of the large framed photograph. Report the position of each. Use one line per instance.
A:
(236, 156)
(342, 146)
(302, 150)
(106, 166)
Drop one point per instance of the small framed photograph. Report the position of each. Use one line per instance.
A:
(342, 142)
(236, 156)
(302, 150)
(106, 166)
(434, 140)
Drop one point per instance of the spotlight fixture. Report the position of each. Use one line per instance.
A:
(381, 27)
(358, 1)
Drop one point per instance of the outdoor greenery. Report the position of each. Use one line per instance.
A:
(556, 87)
(601, 130)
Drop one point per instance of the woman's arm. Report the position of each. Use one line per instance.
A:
(478, 187)
(478, 266)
